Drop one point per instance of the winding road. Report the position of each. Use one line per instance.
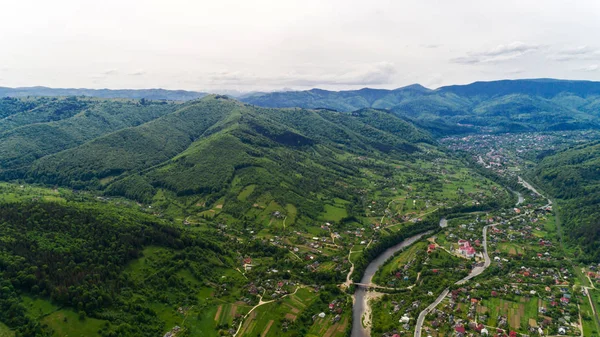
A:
(477, 270)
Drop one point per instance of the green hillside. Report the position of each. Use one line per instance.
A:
(573, 177)
(213, 148)
(36, 127)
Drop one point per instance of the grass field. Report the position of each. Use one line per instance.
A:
(67, 323)
(516, 312)
(511, 248)
(246, 192)
(334, 213)
(64, 322)
(5, 331)
(590, 326)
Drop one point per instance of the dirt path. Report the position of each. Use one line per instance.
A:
(267, 328)
(298, 257)
(260, 302)
(348, 282)
(218, 314)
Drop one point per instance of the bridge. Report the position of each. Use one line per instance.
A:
(375, 286)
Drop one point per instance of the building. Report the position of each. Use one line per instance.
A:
(465, 248)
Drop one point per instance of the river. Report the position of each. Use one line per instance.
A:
(360, 295)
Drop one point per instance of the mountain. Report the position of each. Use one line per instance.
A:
(154, 94)
(545, 87)
(498, 106)
(32, 128)
(573, 177)
(210, 148)
(337, 100)
(138, 217)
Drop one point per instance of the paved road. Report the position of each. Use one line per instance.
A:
(475, 272)
(478, 270)
(424, 313)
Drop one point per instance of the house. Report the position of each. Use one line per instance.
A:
(460, 329)
(562, 331)
(466, 249)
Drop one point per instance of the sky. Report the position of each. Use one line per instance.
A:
(265, 45)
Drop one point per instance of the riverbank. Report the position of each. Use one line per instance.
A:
(361, 311)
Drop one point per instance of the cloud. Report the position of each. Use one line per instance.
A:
(431, 46)
(137, 73)
(363, 74)
(576, 53)
(515, 71)
(111, 72)
(499, 53)
(590, 68)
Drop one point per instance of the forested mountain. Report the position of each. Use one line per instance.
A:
(210, 147)
(498, 106)
(337, 100)
(31, 128)
(573, 176)
(290, 155)
(155, 94)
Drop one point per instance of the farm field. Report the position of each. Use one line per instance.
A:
(269, 319)
(518, 312)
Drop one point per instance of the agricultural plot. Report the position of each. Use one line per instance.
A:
(518, 313)
(322, 327)
(226, 313)
(272, 319)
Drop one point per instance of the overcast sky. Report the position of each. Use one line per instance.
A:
(273, 44)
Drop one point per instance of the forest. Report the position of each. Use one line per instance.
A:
(573, 177)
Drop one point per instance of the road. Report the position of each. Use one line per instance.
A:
(424, 313)
(486, 258)
(475, 272)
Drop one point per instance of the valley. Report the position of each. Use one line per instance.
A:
(214, 217)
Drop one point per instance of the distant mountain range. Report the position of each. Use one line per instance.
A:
(155, 94)
(355, 99)
(497, 106)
